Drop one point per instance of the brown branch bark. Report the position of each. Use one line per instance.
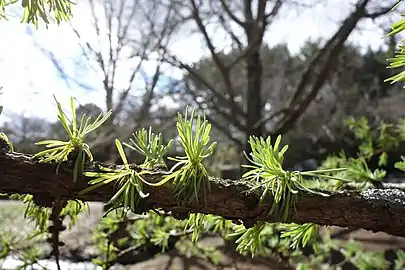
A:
(373, 209)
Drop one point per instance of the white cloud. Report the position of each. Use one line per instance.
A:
(30, 79)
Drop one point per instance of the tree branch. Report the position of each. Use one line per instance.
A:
(373, 209)
(201, 79)
(382, 11)
(231, 14)
(228, 29)
(319, 70)
(222, 68)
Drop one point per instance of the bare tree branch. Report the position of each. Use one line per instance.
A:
(218, 62)
(376, 14)
(230, 32)
(224, 129)
(231, 15)
(274, 11)
(128, 32)
(319, 69)
(199, 78)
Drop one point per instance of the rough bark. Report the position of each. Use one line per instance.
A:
(373, 209)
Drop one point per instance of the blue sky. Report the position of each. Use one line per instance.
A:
(30, 79)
